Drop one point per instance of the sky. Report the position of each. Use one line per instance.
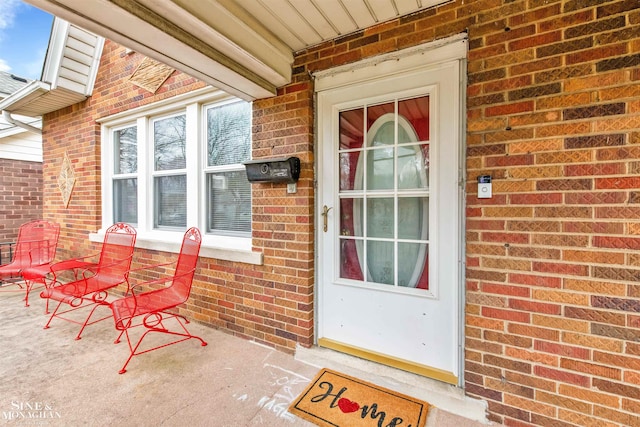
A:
(24, 36)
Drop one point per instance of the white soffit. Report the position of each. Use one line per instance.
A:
(244, 47)
(304, 23)
(168, 33)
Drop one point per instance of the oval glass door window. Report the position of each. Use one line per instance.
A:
(393, 215)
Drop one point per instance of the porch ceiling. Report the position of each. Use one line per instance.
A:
(242, 46)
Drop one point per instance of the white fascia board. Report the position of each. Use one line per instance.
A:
(55, 50)
(235, 33)
(225, 65)
(95, 65)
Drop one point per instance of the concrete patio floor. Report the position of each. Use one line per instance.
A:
(230, 382)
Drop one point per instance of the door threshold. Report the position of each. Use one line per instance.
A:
(447, 397)
(394, 362)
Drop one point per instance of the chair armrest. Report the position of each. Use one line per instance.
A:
(74, 263)
(148, 283)
(92, 271)
(159, 280)
(151, 266)
(99, 267)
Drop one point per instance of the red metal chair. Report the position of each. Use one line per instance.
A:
(35, 247)
(90, 286)
(49, 272)
(153, 307)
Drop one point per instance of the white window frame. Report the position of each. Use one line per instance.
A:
(150, 144)
(213, 169)
(121, 176)
(232, 248)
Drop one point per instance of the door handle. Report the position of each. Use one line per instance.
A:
(325, 214)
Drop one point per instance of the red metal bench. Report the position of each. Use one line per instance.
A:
(152, 304)
(91, 285)
(35, 248)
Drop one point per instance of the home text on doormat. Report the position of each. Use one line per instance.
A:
(335, 399)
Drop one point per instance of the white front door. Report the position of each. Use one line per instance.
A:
(389, 211)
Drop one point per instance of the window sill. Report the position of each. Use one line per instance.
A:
(238, 250)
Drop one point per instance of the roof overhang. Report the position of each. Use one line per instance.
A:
(36, 99)
(24, 97)
(68, 77)
(212, 40)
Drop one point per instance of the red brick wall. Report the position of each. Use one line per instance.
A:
(553, 97)
(277, 303)
(552, 264)
(20, 198)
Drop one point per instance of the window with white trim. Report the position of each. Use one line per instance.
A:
(228, 146)
(171, 166)
(125, 175)
(169, 139)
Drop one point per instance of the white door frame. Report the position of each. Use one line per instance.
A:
(429, 56)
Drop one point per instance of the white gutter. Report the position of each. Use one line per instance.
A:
(7, 116)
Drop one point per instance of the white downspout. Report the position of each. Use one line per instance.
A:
(7, 116)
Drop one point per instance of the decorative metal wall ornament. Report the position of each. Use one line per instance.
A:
(66, 180)
(151, 74)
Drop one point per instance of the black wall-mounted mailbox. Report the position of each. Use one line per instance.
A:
(273, 170)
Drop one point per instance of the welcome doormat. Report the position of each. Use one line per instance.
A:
(335, 399)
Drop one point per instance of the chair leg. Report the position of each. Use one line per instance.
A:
(133, 350)
(29, 287)
(79, 303)
(29, 284)
(51, 284)
(55, 311)
(52, 314)
(86, 322)
(117, 341)
(187, 333)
